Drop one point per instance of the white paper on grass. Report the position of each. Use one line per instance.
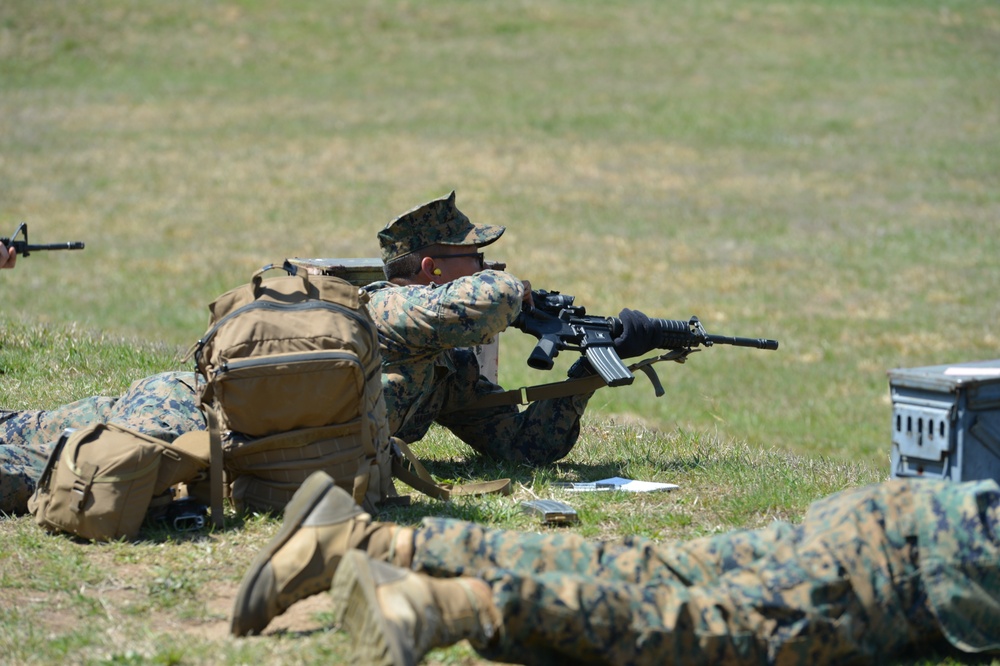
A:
(618, 483)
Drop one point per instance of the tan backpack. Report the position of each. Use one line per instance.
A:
(292, 385)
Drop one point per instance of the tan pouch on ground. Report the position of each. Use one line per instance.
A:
(99, 481)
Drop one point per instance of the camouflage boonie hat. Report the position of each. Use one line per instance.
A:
(436, 222)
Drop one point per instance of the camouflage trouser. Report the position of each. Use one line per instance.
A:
(545, 431)
(162, 406)
(848, 585)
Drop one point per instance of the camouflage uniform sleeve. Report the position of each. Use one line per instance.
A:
(421, 328)
(462, 313)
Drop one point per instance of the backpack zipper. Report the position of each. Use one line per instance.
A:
(239, 364)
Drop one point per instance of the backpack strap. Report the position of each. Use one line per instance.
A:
(82, 484)
(408, 469)
(215, 470)
(257, 278)
(194, 443)
(46, 477)
(477, 488)
(361, 483)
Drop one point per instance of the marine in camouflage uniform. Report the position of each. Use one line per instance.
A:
(870, 573)
(440, 301)
(162, 406)
(429, 374)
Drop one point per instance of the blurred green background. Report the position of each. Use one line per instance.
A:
(823, 173)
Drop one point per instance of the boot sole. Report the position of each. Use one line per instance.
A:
(356, 610)
(303, 502)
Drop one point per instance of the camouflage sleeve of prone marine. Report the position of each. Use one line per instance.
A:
(959, 540)
(420, 320)
(162, 406)
(852, 583)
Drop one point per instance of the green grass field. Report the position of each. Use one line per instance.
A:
(822, 173)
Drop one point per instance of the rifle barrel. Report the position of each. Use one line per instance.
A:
(73, 245)
(756, 343)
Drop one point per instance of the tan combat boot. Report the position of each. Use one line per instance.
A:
(396, 615)
(322, 522)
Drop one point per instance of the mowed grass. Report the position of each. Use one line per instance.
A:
(822, 173)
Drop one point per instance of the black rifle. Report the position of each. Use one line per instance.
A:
(560, 325)
(24, 249)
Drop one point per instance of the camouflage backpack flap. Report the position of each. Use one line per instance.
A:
(99, 481)
(292, 372)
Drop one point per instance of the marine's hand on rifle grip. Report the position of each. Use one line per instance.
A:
(528, 300)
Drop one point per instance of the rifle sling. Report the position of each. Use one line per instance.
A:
(576, 386)
(527, 394)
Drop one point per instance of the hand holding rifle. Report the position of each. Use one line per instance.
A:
(7, 257)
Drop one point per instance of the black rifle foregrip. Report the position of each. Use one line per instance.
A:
(674, 333)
